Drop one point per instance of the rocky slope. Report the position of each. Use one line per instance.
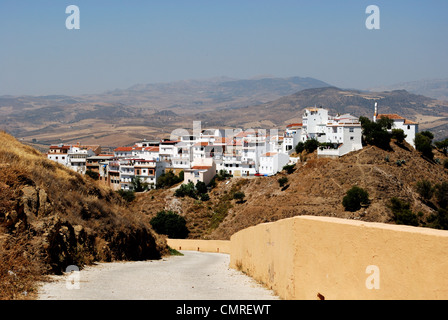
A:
(52, 217)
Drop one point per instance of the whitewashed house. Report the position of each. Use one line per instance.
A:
(272, 162)
(203, 169)
(340, 134)
(291, 137)
(59, 154)
(410, 128)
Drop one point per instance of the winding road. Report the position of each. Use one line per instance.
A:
(193, 276)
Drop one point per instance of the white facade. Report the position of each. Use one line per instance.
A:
(409, 128)
(341, 134)
(272, 162)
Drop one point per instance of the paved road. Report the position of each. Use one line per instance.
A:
(194, 276)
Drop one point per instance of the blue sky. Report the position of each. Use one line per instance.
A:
(122, 43)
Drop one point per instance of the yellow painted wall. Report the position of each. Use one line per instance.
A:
(219, 246)
(304, 256)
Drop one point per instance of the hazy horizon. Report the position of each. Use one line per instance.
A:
(120, 44)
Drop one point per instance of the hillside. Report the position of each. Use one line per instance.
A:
(52, 217)
(317, 187)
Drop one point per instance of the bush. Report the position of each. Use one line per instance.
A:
(282, 181)
(205, 197)
(222, 175)
(239, 196)
(93, 174)
(169, 179)
(289, 168)
(170, 224)
(423, 144)
(425, 189)
(127, 195)
(402, 212)
(355, 198)
(186, 190)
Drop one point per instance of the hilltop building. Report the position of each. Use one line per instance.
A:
(410, 128)
(340, 134)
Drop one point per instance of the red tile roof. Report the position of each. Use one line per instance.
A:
(294, 125)
(390, 116)
(124, 149)
(201, 144)
(201, 167)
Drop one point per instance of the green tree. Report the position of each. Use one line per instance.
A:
(186, 190)
(375, 133)
(423, 144)
(355, 198)
(300, 147)
(138, 185)
(442, 146)
(441, 194)
(170, 224)
(398, 134)
(201, 187)
(311, 145)
(169, 179)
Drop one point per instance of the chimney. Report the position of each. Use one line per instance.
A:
(375, 114)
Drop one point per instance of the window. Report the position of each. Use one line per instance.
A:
(352, 130)
(409, 127)
(352, 138)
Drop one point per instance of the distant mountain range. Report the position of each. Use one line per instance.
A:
(120, 117)
(434, 88)
(430, 113)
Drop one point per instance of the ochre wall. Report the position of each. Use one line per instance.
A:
(305, 257)
(219, 246)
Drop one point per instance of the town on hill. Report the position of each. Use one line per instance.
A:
(235, 152)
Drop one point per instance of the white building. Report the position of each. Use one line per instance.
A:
(410, 128)
(73, 157)
(291, 137)
(340, 134)
(272, 162)
(202, 170)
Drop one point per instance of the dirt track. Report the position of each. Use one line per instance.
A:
(194, 276)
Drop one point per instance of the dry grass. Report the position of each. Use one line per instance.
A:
(52, 217)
